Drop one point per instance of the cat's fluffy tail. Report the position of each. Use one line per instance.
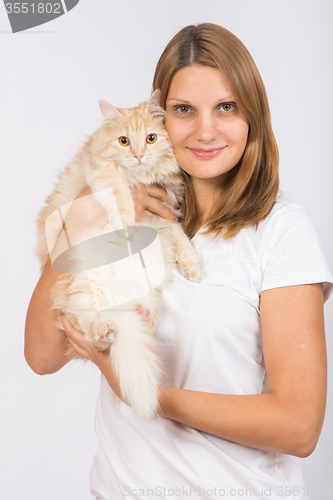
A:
(136, 363)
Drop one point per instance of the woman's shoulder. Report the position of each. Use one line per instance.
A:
(286, 213)
(287, 226)
(290, 248)
(284, 204)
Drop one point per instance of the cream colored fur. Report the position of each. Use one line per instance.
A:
(104, 163)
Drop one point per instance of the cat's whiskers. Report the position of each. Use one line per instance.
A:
(125, 163)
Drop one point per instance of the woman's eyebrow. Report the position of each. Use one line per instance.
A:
(178, 100)
(184, 101)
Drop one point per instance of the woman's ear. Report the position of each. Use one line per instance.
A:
(109, 112)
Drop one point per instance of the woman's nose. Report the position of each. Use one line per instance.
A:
(206, 128)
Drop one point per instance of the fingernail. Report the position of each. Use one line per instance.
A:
(176, 218)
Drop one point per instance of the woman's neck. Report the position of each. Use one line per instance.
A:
(204, 197)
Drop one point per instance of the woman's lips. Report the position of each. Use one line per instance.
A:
(206, 153)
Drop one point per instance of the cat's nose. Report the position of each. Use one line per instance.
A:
(139, 157)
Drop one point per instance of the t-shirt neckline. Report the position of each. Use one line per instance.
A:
(199, 231)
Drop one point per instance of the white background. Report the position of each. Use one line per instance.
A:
(52, 77)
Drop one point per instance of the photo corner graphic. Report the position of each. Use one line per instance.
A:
(25, 15)
(131, 256)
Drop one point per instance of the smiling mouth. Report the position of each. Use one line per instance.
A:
(206, 153)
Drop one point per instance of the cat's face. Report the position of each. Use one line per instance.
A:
(137, 142)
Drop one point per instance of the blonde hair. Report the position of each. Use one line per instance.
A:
(252, 185)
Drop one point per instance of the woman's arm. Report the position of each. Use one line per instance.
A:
(44, 348)
(286, 420)
(289, 418)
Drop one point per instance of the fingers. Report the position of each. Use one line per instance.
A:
(157, 192)
(81, 345)
(101, 359)
(70, 331)
(152, 198)
(75, 337)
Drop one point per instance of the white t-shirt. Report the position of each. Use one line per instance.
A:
(211, 341)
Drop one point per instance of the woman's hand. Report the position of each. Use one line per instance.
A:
(86, 212)
(100, 358)
(151, 198)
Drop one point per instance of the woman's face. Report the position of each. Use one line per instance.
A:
(207, 129)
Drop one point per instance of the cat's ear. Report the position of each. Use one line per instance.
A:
(154, 99)
(153, 104)
(109, 112)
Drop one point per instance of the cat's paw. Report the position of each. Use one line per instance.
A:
(187, 263)
(103, 333)
(190, 270)
(148, 316)
(144, 313)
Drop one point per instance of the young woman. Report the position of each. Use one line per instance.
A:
(244, 387)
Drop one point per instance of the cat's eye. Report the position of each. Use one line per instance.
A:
(124, 141)
(151, 138)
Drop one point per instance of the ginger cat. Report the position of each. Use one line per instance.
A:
(100, 289)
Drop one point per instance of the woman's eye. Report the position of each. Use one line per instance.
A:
(151, 138)
(123, 140)
(227, 106)
(183, 109)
